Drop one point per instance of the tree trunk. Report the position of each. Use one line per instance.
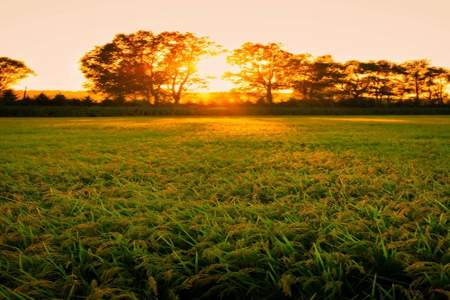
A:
(416, 82)
(440, 95)
(269, 96)
(156, 99)
(148, 95)
(176, 98)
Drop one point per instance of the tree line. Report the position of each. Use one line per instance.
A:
(160, 68)
(267, 68)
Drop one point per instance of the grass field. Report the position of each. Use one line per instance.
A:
(232, 208)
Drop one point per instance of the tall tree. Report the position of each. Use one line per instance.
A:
(12, 71)
(386, 79)
(300, 71)
(184, 50)
(356, 82)
(381, 79)
(146, 65)
(436, 82)
(415, 72)
(318, 79)
(123, 67)
(262, 69)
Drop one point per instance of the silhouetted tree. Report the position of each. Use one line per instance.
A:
(262, 69)
(108, 70)
(374, 79)
(12, 71)
(319, 79)
(380, 81)
(384, 80)
(356, 82)
(59, 99)
(87, 100)
(415, 72)
(300, 72)
(147, 65)
(8, 97)
(180, 64)
(41, 99)
(436, 82)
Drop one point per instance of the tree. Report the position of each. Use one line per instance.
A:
(384, 80)
(146, 65)
(59, 99)
(42, 99)
(12, 71)
(114, 69)
(262, 69)
(356, 81)
(8, 97)
(318, 79)
(436, 82)
(415, 72)
(372, 79)
(184, 52)
(300, 69)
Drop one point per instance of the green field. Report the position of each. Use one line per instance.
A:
(231, 208)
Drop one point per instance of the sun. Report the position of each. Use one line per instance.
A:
(213, 68)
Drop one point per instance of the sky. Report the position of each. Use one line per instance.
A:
(51, 36)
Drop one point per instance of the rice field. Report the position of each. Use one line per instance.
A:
(225, 208)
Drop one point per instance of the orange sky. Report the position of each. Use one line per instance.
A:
(52, 35)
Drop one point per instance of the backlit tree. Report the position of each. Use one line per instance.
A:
(12, 71)
(146, 65)
(262, 69)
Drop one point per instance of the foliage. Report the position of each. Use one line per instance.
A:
(161, 68)
(318, 79)
(8, 97)
(262, 69)
(12, 71)
(146, 65)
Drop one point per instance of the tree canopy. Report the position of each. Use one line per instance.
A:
(160, 67)
(12, 71)
(261, 69)
(156, 67)
(380, 81)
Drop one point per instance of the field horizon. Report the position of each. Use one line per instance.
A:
(80, 94)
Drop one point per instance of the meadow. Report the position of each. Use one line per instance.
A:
(310, 207)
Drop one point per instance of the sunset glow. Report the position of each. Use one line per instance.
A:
(51, 35)
(214, 67)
